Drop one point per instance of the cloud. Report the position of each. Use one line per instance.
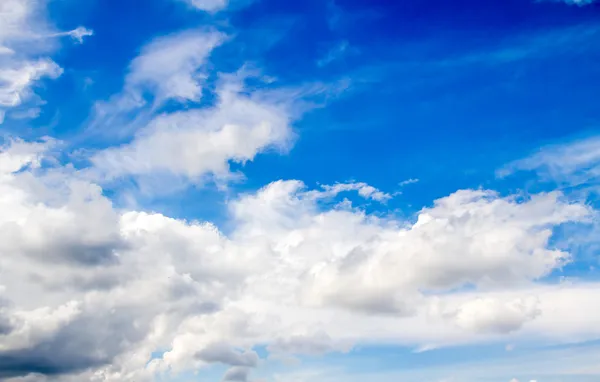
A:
(93, 291)
(237, 374)
(579, 2)
(384, 272)
(16, 81)
(214, 6)
(25, 41)
(575, 163)
(156, 295)
(169, 67)
(208, 5)
(317, 343)
(76, 34)
(202, 142)
(489, 315)
(223, 353)
(408, 181)
(334, 54)
(364, 190)
(196, 144)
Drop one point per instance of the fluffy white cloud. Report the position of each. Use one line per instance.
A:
(494, 242)
(202, 142)
(16, 81)
(169, 67)
(196, 144)
(154, 295)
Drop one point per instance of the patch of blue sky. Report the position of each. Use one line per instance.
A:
(480, 363)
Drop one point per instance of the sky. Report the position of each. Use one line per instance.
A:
(299, 191)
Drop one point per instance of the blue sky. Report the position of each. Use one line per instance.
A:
(264, 190)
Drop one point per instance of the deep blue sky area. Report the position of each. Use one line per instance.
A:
(441, 91)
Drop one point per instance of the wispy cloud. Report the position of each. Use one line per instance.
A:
(335, 53)
(408, 181)
(574, 163)
(25, 41)
(208, 5)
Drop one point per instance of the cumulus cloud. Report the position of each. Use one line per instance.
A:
(95, 292)
(384, 272)
(152, 295)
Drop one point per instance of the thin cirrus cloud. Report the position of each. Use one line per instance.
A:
(207, 5)
(214, 6)
(575, 163)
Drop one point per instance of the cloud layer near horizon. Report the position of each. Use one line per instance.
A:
(293, 274)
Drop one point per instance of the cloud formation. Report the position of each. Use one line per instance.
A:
(92, 290)
(202, 142)
(127, 283)
(574, 163)
(208, 5)
(26, 38)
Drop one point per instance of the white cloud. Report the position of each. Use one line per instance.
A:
(491, 315)
(25, 40)
(198, 143)
(208, 5)
(486, 247)
(169, 67)
(579, 2)
(364, 190)
(15, 17)
(76, 34)
(573, 163)
(16, 81)
(408, 181)
(334, 53)
(129, 284)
